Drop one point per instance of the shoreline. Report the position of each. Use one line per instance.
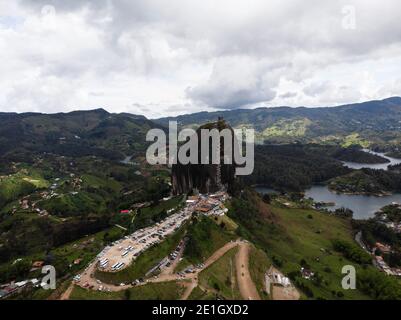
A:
(370, 194)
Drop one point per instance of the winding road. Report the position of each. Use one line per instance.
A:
(245, 283)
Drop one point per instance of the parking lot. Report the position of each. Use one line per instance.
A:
(121, 253)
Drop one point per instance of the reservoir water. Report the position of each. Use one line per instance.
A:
(383, 166)
(363, 206)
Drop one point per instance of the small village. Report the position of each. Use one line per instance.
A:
(384, 219)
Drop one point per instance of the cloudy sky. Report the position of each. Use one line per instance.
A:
(160, 58)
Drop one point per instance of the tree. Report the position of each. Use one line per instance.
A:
(127, 294)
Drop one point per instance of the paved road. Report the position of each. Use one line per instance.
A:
(245, 283)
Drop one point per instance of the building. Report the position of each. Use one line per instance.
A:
(38, 264)
(383, 247)
(306, 273)
(274, 277)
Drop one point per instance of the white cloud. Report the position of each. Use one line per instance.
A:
(234, 82)
(146, 57)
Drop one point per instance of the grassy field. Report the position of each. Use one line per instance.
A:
(354, 139)
(295, 237)
(308, 237)
(292, 128)
(220, 277)
(144, 262)
(228, 223)
(200, 294)
(20, 184)
(205, 237)
(66, 205)
(100, 183)
(152, 291)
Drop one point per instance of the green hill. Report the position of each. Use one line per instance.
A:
(79, 133)
(295, 238)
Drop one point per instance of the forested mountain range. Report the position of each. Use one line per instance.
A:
(95, 132)
(368, 123)
(373, 123)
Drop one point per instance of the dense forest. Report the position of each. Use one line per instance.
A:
(295, 167)
(367, 181)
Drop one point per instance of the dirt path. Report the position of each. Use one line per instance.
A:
(66, 294)
(88, 279)
(190, 287)
(220, 252)
(213, 258)
(245, 283)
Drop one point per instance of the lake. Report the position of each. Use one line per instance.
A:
(383, 166)
(363, 206)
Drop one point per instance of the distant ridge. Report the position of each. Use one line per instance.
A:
(367, 120)
(393, 100)
(376, 122)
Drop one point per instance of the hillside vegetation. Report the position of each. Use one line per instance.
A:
(295, 238)
(153, 291)
(371, 123)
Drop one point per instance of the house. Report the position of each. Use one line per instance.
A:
(383, 247)
(279, 279)
(25, 204)
(34, 281)
(38, 264)
(306, 273)
(21, 283)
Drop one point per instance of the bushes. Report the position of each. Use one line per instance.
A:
(304, 287)
(373, 231)
(12, 188)
(352, 251)
(204, 237)
(79, 204)
(377, 285)
(16, 271)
